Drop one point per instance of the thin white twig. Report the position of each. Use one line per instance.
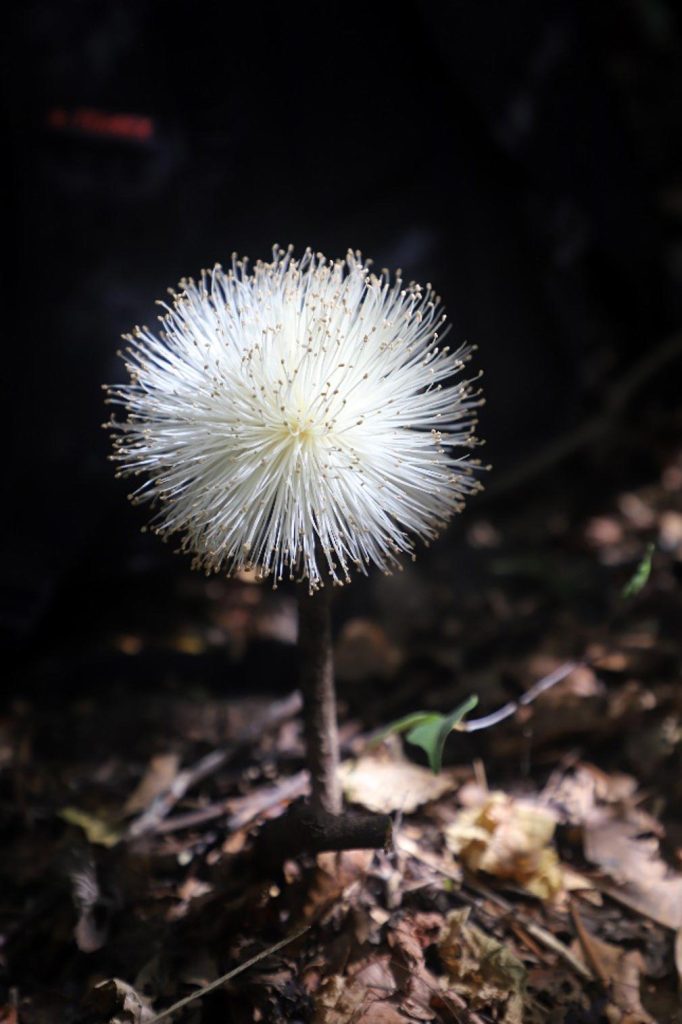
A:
(507, 710)
(200, 993)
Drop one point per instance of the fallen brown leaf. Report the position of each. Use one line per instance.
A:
(575, 794)
(160, 773)
(119, 1002)
(641, 879)
(387, 786)
(510, 839)
(625, 990)
(363, 999)
(417, 984)
(335, 874)
(620, 971)
(482, 969)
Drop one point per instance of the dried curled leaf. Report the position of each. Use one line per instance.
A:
(119, 1003)
(509, 839)
(364, 998)
(482, 969)
(97, 830)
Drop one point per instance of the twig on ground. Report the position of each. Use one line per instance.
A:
(162, 805)
(252, 807)
(200, 993)
(507, 710)
(537, 931)
(543, 936)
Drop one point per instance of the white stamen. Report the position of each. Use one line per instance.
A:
(291, 409)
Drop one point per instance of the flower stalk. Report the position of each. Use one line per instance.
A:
(316, 668)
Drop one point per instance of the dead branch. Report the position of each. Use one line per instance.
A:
(306, 830)
(251, 807)
(160, 808)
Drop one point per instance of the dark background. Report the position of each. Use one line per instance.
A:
(524, 157)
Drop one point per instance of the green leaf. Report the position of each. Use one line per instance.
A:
(640, 577)
(427, 736)
(431, 735)
(401, 725)
(429, 730)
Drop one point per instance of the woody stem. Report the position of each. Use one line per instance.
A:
(316, 668)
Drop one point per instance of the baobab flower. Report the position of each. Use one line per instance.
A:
(299, 417)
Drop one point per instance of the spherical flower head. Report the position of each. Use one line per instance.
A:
(298, 417)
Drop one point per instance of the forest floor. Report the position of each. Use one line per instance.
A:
(537, 877)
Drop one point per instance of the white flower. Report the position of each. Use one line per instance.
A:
(298, 413)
